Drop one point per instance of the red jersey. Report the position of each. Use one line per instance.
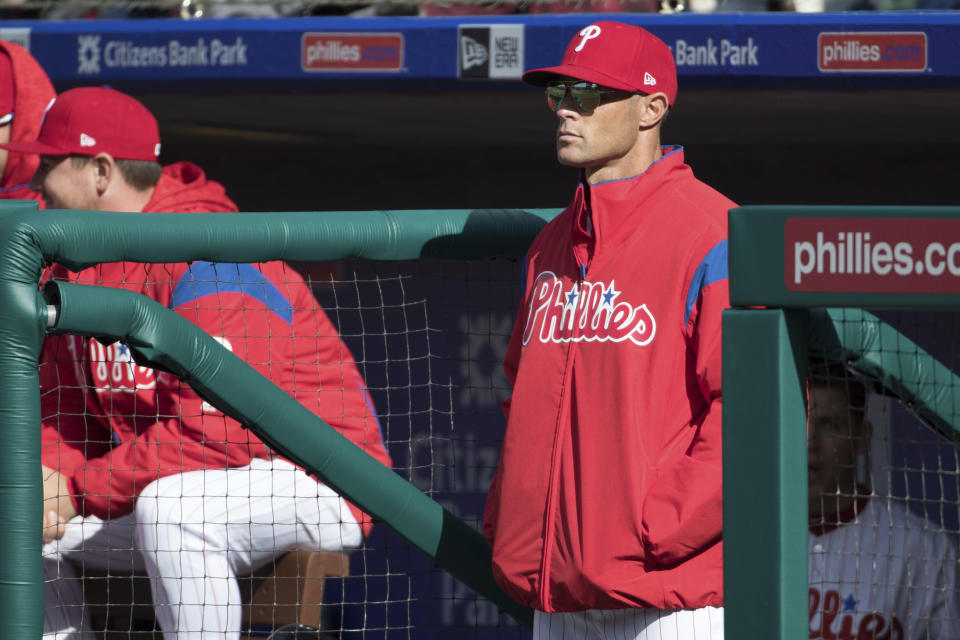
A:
(34, 93)
(112, 427)
(608, 493)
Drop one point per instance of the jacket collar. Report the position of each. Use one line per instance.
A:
(599, 211)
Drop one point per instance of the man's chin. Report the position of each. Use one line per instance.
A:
(569, 159)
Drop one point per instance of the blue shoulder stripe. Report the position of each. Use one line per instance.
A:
(713, 268)
(12, 189)
(370, 408)
(210, 278)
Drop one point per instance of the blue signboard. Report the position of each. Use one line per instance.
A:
(775, 50)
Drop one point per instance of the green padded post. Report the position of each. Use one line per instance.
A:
(765, 474)
(21, 337)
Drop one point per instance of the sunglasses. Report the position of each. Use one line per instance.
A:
(586, 95)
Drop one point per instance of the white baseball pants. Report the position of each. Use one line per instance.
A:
(630, 624)
(193, 533)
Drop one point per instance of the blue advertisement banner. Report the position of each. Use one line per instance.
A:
(775, 50)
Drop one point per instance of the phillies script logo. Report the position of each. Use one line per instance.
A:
(351, 51)
(872, 51)
(837, 617)
(114, 369)
(588, 312)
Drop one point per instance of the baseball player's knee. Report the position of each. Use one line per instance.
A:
(167, 520)
(164, 516)
(156, 504)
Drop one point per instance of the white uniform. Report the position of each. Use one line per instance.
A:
(885, 575)
(193, 533)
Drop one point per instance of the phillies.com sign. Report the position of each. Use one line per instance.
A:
(872, 255)
(871, 51)
(351, 51)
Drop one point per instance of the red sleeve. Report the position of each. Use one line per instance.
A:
(326, 379)
(683, 510)
(342, 400)
(189, 434)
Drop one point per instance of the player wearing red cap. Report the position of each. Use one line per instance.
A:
(25, 93)
(605, 512)
(157, 479)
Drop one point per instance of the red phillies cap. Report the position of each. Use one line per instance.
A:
(615, 55)
(90, 120)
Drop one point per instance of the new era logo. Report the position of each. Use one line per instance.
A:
(490, 51)
(649, 80)
(87, 141)
(472, 53)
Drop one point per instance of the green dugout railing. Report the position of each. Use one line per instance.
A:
(163, 340)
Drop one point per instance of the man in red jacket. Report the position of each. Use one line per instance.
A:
(25, 94)
(605, 512)
(133, 458)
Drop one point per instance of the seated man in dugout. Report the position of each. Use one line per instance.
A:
(140, 474)
(877, 570)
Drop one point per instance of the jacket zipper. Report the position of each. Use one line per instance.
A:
(552, 489)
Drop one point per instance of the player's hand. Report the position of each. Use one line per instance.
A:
(58, 508)
(54, 527)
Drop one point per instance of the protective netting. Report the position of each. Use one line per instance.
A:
(421, 368)
(883, 487)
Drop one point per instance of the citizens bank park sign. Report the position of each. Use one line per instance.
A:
(752, 50)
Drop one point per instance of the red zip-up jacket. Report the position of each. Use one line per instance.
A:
(608, 493)
(34, 94)
(112, 427)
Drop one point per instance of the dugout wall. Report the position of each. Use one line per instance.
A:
(765, 352)
(786, 263)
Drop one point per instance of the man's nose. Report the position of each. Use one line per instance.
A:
(568, 104)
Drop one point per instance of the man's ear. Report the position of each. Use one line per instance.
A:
(654, 109)
(105, 171)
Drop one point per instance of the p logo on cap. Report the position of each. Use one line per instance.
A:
(587, 34)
